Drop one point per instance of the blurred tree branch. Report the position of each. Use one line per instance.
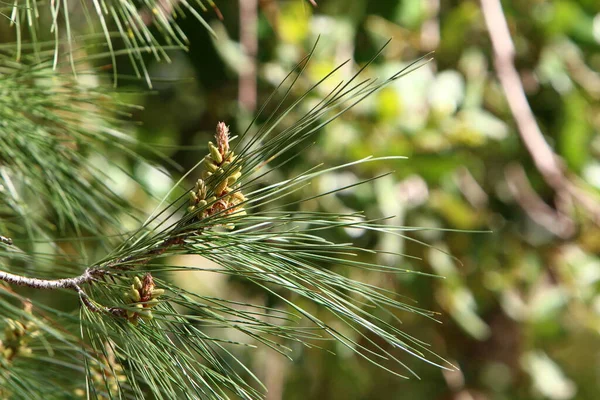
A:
(557, 223)
(249, 42)
(546, 161)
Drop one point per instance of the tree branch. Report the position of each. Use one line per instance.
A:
(88, 275)
(176, 237)
(249, 42)
(555, 222)
(6, 240)
(544, 158)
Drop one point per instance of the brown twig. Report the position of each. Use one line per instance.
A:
(51, 284)
(544, 158)
(89, 275)
(471, 189)
(544, 215)
(430, 30)
(249, 42)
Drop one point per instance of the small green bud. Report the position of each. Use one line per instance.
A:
(134, 294)
(24, 351)
(214, 153)
(210, 165)
(238, 197)
(157, 292)
(152, 303)
(137, 283)
(237, 170)
(221, 186)
(233, 178)
(200, 189)
(145, 314)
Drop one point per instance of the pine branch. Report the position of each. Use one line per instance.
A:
(251, 228)
(53, 141)
(52, 284)
(133, 23)
(223, 202)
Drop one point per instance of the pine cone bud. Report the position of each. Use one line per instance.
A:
(217, 166)
(142, 296)
(17, 336)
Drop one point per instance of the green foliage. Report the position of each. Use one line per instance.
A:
(304, 252)
(142, 27)
(51, 126)
(514, 317)
(138, 340)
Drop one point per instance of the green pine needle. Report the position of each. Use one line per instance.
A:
(148, 26)
(183, 348)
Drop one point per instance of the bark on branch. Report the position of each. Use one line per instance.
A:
(66, 283)
(88, 276)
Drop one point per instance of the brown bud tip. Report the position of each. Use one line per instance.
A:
(147, 287)
(222, 138)
(148, 280)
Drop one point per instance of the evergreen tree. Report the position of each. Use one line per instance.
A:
(129, 330)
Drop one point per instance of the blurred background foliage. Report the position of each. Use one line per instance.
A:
(520, 305)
